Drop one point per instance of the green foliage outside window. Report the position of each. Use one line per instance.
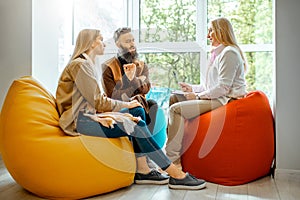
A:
(168, 21)
(167, 69)
(162, 21)
(175, 21)
(253, 24)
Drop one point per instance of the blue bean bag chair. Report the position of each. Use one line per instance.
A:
(160, 128)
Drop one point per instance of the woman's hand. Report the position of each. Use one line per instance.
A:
(133, 104)
(185, 87)
(129, 70)
(190, 96)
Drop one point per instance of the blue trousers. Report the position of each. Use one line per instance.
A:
(143, 142)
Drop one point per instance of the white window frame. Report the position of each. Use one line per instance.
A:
(200, 45)
(132, 20)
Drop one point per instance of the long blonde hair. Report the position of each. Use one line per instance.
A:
(224, 35)
(84, 41)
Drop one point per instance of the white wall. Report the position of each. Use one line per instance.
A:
(288, 84)
(45, 30)
(15, 41)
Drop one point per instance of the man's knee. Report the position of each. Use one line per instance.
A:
(152, 103)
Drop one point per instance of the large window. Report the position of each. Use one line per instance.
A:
(171, 36)
(253, 22)
(172, 33)
(105, 15)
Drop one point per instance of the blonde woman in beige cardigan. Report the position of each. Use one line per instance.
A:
(85, 109)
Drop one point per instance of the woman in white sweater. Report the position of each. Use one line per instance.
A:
(224, 81)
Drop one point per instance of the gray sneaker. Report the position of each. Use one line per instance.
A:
(187, 183)
(154, 177)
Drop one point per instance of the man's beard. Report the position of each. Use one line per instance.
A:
(127, 55)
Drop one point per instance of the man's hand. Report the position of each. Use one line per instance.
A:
(142, 78)
(129, 70)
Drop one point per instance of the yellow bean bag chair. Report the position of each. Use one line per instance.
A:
(47, 162)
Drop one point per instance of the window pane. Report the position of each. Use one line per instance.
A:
(105, 15)
(167, 21)
(76, 15)
(252, 20)
(253, 24)
(259, 74)
(167, 69)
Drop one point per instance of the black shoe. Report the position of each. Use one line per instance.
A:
(154, 177)
(187, 183)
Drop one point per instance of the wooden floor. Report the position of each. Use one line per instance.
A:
(287, 188)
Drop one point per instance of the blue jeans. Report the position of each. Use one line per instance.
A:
(143, 142)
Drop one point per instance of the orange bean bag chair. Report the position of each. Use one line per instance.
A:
(233, 144)
(45, 161)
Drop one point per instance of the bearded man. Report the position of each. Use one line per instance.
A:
(125, 77)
